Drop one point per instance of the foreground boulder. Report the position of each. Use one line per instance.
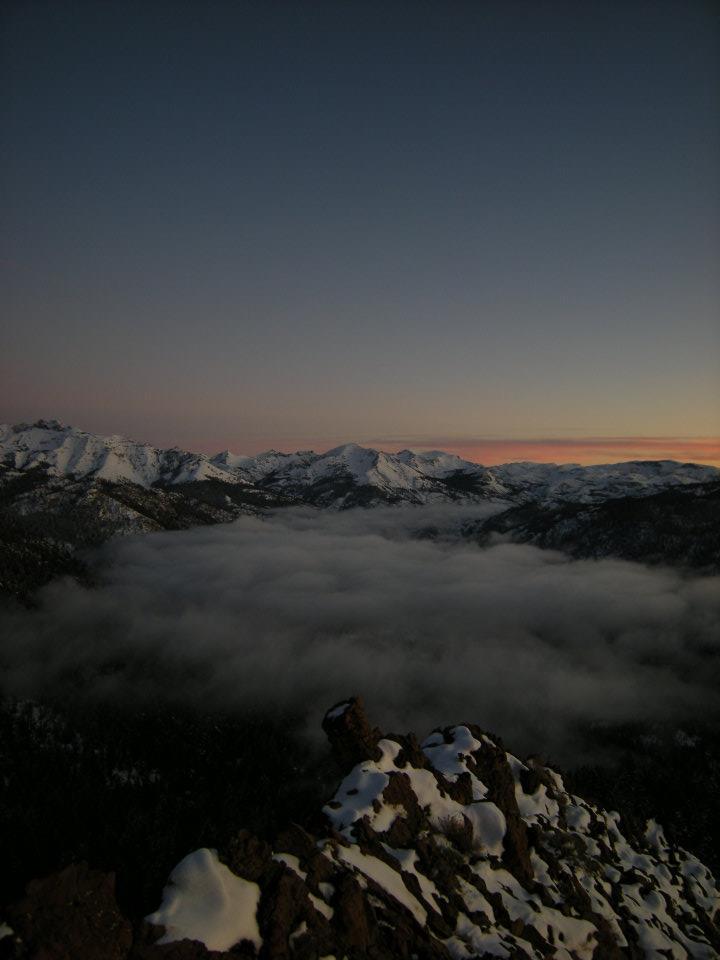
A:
(69, 915)
(449, 850)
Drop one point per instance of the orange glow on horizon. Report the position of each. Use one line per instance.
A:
(583, 450)
(492, 451)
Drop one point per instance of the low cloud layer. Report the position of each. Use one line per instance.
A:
(306, 608)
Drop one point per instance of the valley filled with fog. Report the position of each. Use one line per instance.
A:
(297, 610)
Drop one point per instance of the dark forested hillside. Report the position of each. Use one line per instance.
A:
(678, 527)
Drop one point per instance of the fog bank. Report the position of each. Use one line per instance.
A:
(305, 608)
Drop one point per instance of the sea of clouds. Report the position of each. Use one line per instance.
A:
(302, 609)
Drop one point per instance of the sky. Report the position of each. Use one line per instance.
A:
(487, 227)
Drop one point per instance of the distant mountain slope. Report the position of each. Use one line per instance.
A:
(45, 520)
(345, 476)
(68, 452)
(62, 489)
(680, 525)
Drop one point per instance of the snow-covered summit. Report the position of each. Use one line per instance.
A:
(352, 466)
(553, 482)
(65, 451)
(345, 475)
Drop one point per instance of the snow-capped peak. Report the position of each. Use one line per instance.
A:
(346, 474)
(68, 452)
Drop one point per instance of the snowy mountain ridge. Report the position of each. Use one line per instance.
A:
(68, 452)
(346, 475)
(449, 849)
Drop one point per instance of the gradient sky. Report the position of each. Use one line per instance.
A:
(428, 223)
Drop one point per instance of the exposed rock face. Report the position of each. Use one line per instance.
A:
(351, 737)
(70, 915)
(447, 851)
(493, 769)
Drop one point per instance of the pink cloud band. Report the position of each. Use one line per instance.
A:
(585, 450)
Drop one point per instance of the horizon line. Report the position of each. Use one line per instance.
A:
(486, 450)
(496, 451)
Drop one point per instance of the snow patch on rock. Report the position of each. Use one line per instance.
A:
(205, 901)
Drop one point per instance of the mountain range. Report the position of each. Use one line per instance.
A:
(446, 850)
(347, 475)
(63, 490)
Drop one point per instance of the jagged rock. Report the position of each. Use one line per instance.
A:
(352, 914)
(607, 946)
(449, 850)
(184, 950)
(351, 737)
(399, 793)
(71, 914)
(296, 840)
(247, 856)
(285, 909)
(410, 751)
(146, 946)
(494, 770)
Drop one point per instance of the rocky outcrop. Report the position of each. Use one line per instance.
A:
(449, 850)
(491, 766)
(351, 737)
(66, 916)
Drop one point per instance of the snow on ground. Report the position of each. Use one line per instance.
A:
(204, 901)
(589, 881)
